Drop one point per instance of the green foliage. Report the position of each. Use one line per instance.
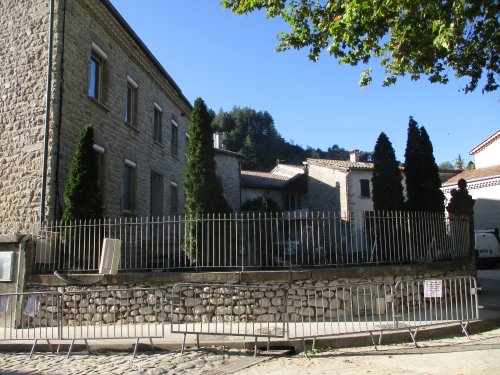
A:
(260, 204)
(387, 188)
(254, 135)
(446, 166)
(418, 38)
(81, 193)
(459, 163)
(421, 172)
(204, 194)
(471, 166)
(203, 191)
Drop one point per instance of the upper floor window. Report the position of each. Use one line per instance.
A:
(128, 186)
(175, 138)
(365, 187)
(173, 199)
(157, 123)
(131, 102)
(97, 74)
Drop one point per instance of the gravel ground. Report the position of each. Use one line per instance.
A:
(457, 355)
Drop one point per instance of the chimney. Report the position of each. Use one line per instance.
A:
(219, 141)
(354, 155)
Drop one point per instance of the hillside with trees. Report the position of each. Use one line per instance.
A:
(253, 134)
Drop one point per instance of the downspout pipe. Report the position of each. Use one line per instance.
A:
(48, 98)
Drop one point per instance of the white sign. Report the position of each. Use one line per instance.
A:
(433, 289)
(6, 258)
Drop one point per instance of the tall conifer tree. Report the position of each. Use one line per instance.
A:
(203, 191)
(387, 188)
(421, 172)
(81, 193)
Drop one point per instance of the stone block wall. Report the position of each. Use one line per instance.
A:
(326, 189)
(228, 167)
(90, 21)
(23, 82)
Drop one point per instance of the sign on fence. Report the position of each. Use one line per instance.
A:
(433, 288)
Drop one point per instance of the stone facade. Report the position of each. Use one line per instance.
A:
(23, 82)
(81, 27)
(228, 169)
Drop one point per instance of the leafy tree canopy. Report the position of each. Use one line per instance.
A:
(413, 37)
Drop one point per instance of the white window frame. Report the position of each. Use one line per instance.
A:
(133, 182)
(100, 86)
(131, 106)
(157, 128)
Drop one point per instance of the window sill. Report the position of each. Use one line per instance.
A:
(127, 213)
(159, 144)
(176, 157)
(131, 126)
(98, 103)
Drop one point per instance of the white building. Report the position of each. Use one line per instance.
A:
(483, 183)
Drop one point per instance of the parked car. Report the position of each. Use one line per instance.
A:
(487, 249)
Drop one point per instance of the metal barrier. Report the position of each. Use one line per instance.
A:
(335, 310)
(232, 310)
(30, 316)
(420, 303)
(112, 314)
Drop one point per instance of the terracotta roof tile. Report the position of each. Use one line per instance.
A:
(341, 164)
(474, 174)
(254, 178)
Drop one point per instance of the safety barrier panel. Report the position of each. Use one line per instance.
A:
(420, 303)
(230, 310)
(113, 314)
(29, 316)
(314, 312)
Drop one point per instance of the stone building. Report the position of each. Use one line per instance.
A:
(340, 186)
(286, 185)
(228, 170)
(69, 64)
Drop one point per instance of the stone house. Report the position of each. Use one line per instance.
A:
(228, 170)
(340, 186)
(69, 64)
(483, 183)
(286, 184)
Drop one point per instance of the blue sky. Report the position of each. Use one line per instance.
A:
(230, 60)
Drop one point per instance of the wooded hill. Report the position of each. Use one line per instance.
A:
(254, 135)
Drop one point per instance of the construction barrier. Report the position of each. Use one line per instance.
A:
(135, 313)
(336, 310)
(420, 303)
(229, 310)
(30, 316)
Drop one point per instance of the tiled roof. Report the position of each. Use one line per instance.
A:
(485, 143)
(263, 179)
(227, 152)
(289, 170)
(475, 174)
(341, 164)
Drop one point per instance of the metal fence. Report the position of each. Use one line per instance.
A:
(254, 241)
(228, 310)
(335, 310)
(420, 303)
(134, 313)
(30, 316)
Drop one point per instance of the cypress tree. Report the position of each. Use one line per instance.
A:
(81, 193)
(203, 191)
(249, 154)
(421, 172)
(387, 188)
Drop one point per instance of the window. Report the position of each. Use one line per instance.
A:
(173, 199)
(97, 74)
(131, 99)
(128, 188)
(365, 187)
(157, 120)
(100, 169)
(175, 138)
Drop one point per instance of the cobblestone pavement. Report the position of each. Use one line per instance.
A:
(195, 362)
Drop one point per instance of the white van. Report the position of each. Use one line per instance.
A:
(487, 249)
